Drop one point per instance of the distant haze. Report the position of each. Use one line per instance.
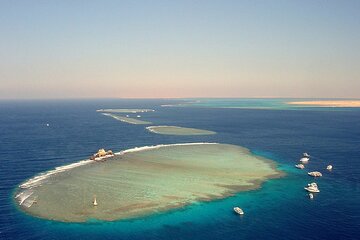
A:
(161, 49)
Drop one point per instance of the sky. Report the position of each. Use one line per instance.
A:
(179, 49)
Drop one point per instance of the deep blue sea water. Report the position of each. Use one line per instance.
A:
(279, 210)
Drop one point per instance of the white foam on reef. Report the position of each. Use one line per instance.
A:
(23, 196)
(37, 180)
(151, 128)
(123, 110)
(144, 148)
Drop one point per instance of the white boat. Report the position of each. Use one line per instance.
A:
(300, 166)
(304, 159)
(312, 188)
(329, 167)
(313, 185)
(311, 196)
(315, 174)
(95, 202)
(238, 210)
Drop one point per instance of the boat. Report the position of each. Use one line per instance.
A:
(329, 167)
(315, 174)
(238, 210)
(300, 166)
(313, 185)
(95, 202)
(311, 196)
(102, 155)
(305, 158)
(312, 188)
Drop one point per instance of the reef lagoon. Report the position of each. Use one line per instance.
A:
(144, 181)
(175, 130)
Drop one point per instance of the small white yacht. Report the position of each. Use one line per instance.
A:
(311, 196)
(305, 158)
(95, 202)
(312, 188)
(315, 174)
(300, 166)
(238, 210)
(329, 167)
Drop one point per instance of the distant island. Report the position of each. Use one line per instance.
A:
(127, 119)
(328, 103)
(175, 130)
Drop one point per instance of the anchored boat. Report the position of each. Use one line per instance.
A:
(315, 174)
(238, 210)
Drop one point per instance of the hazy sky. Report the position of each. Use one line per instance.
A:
(68, 49)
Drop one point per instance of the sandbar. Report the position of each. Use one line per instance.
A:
(175, 130)
(328, 103)
(125, 110)
(127, 119)
(143, 181)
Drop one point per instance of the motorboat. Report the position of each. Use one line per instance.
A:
(300, 166)
(313, 185)
(95, 202)
(329, 167)
(311, 196)
(238, 210)
(315, 174)
(312, 189)
(305, 158)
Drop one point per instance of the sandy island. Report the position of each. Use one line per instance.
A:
(328, 103)
(127, 119)
(125, 110)
(143, 181)
(175, 130)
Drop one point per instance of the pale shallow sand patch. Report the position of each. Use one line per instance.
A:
(328, 103)
(127, 119)
(148, 180)
(175, 130)
(125, 110)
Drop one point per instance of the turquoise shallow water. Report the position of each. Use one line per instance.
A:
(279, 210)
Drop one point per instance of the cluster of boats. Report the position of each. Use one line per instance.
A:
(311, 187)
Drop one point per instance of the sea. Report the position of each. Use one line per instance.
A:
(39, 135)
